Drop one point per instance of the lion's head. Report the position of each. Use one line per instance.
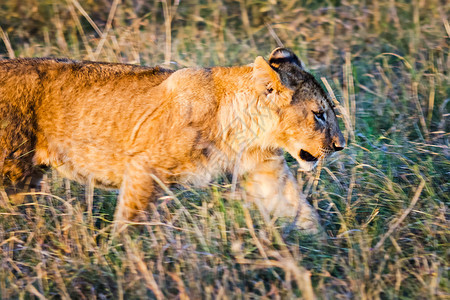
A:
(307, 126)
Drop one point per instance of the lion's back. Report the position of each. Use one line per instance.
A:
(41, 98)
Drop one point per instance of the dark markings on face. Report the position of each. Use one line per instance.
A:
(309, 88)
(306, 89)
(328, 136)
(293, 76)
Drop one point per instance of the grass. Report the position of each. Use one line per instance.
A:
(383, 201)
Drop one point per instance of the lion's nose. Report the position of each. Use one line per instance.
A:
(337, 148)
(338, 143)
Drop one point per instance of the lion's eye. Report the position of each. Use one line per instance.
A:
(319, 115)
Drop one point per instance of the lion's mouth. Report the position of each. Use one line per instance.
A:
(305, 155)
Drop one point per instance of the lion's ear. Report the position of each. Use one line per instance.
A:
(288, 66)
(266, 78)
(282, 56)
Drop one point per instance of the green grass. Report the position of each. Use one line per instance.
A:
(388, 64)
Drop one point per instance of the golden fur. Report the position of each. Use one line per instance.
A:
(124, 126)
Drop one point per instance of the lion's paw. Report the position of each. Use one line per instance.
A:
(309, 224)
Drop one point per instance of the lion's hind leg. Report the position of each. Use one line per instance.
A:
(16, 190)
(17, 147)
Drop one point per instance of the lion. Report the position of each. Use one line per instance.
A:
(139, 129)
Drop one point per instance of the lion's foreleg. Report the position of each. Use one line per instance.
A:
(135, 193)
(273, 186)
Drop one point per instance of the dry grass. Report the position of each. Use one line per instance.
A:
(383, 201)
